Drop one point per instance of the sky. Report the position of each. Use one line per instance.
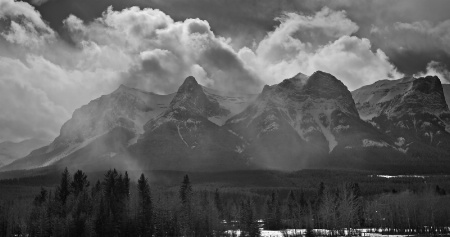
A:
(57, 55)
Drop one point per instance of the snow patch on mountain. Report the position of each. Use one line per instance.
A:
(386, 97)
(234, 103)
(69, 150)
(305, 103)
(371, 143)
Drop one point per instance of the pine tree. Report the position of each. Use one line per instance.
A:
(115, 200)
(185, 190)
(273, 215)
(79, 183)
(218, 203)
(145, 212)
(64, 188)
(248, 223)
(41, 198)
(292, 209)
(126, 185)
(186, 205)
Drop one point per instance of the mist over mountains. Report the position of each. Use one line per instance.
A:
(11, 151)
(303, 122)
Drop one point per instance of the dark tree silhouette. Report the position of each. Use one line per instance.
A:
(79, 183)
(145, 209)
(63, 191)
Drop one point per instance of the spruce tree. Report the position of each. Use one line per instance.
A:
(218, 203)
(186, 205)
(79, 183)
(64, 187)
(145, 212)
(273, 214)
(292, 207)
(185, 190)
(248, 223)
(126, 185)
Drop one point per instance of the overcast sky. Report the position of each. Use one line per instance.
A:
(56, 55)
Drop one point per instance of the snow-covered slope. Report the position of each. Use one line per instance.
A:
(412, 111)
(234, 103)
(394, 98)
(114, 122)
(126, 107)
(307, 117)
(184, 137)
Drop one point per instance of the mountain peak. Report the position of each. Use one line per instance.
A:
(123, 87)
(189, 82)
(428, 84)
(191, 97)
(266, 88)
(189, 90)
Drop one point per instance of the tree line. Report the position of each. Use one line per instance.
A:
(116, 206)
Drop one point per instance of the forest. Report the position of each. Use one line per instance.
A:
(115, 205)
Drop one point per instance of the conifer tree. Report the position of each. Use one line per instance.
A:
(79, 183)
(218, 203)
(64, 188)
(126, 185)
(248, 223)
(273, 215)
(186, 205)
(145, 211)
(292, 209)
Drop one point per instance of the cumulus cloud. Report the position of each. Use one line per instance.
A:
(323, 41)
(26, 25)
(436, 69)
(143, 48)
(146, 48)
(164, 52)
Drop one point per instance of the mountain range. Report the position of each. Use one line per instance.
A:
(303, 122)
(11, 151)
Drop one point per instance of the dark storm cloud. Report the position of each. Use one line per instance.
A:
(247, 22)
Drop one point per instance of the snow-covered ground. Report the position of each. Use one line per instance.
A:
(320, 232)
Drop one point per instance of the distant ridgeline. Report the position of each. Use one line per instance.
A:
(303, 122)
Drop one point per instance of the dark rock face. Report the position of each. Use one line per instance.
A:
(412, 111)
(191, 98)
(303, 121)
(182, 137)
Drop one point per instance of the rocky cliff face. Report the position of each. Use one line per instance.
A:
(184, 137)
(413, 111)
(309, 119)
